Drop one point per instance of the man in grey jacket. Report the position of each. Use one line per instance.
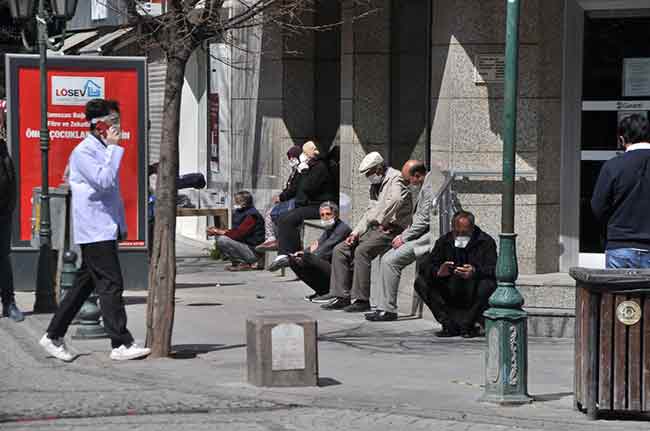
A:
(407, 247)
(313, 266)
(389, 213)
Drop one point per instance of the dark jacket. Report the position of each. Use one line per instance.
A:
(255, 236)
(291, 188)
(621, 199)
(481, 253)
(316, 185)
(331, 238)
(8, 185)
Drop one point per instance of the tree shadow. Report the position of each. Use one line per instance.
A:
(551, 397)
(203, 304)
(200, 285)
(191, 351)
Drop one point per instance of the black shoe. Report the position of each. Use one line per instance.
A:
(277, 264)
(323, 299)
(337, 303)
(448, 331)
(358, 306)
(310, 298)
(381, 316)
(469, 332)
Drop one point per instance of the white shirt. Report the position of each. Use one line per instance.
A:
(638, 146)
(97, 207)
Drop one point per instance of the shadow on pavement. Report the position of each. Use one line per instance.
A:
(551, 397)
(327, 381)
(190, 351)
(198, 285)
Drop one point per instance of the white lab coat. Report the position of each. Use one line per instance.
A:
(97, 206)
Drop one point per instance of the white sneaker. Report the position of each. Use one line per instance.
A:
(56, 348)
(124, 353)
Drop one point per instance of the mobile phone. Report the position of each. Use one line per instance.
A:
(101, 127)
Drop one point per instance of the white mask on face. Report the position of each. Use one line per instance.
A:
(237, 207)
(327, 223)
(375, 179)
(415, 188)
(303, 157)
(461, 241)
(294, 162)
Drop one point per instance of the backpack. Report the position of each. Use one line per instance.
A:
(7, 181)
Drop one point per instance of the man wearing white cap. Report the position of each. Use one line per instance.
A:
(388, 214)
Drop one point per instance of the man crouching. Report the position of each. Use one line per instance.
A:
(459, 277)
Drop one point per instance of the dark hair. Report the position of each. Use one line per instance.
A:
(294, 152)
(97, 108)
(634, 129)
(246, 197)
(418, 168)
(463, 214)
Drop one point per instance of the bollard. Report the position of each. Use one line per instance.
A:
(68, 272)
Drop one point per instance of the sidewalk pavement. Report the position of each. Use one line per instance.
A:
(379, 376)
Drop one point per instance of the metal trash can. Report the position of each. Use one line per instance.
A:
(612, 343)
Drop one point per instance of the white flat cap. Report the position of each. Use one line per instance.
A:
(370, 161)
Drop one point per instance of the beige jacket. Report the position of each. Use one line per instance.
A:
(391, 204)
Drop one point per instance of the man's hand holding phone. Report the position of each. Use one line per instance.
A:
(112, 136)
(446, 269)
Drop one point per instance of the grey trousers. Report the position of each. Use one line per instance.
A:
(351, 265)
(235, 251)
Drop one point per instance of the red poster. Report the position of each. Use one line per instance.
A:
(68, 92)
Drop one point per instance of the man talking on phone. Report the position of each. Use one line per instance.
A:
(458, 279)
(98, 223)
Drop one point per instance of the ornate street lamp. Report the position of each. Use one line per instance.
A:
(506, 370)
(62, 10)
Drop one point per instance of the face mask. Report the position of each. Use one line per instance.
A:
(327, 223)
(461, 241)
(415, 189)
(303, 157)
(237, 207)
(375, 179)
(294, 162)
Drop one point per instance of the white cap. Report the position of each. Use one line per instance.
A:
(370, 161)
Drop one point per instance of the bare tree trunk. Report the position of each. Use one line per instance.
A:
(162, 269)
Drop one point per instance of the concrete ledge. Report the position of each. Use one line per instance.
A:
(550, 322)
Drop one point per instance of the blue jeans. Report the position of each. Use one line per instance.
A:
(627, 258)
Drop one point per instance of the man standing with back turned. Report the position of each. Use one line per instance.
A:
(621, 197)
(98, 222)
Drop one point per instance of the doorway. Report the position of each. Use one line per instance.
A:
(611, 82)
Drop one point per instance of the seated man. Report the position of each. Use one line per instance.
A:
(411, 244)
(238, 244)
(459, 277)
(313, 265)
(388, 215)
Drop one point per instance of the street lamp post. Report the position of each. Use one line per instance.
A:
(506, 370)
(61, 10)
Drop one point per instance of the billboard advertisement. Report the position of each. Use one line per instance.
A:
(73, 81)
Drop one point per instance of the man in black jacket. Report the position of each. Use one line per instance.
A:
(621, 197)
(8, 195)
(314, 265)
(458, 279)
(315, 186)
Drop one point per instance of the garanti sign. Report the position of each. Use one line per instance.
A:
(73, 81)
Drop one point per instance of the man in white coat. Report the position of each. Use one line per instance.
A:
(98, 223)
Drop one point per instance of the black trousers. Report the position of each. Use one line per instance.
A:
(314, 272)
(454, 301)
(6, 272)
(289, 228)
(100, 270)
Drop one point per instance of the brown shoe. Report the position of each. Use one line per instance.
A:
(268, 246)
(240, 267)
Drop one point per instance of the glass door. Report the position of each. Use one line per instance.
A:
(616, 83)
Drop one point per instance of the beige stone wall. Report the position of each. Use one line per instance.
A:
(467, 118)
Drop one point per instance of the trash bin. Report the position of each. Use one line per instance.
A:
(612, 344)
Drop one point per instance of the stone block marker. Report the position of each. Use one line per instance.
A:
(282, 350)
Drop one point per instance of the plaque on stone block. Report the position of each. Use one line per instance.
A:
(287, 347)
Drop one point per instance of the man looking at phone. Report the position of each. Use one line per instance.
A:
(98, 223)
(457, 280)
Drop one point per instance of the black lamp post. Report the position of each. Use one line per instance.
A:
(61, 10)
